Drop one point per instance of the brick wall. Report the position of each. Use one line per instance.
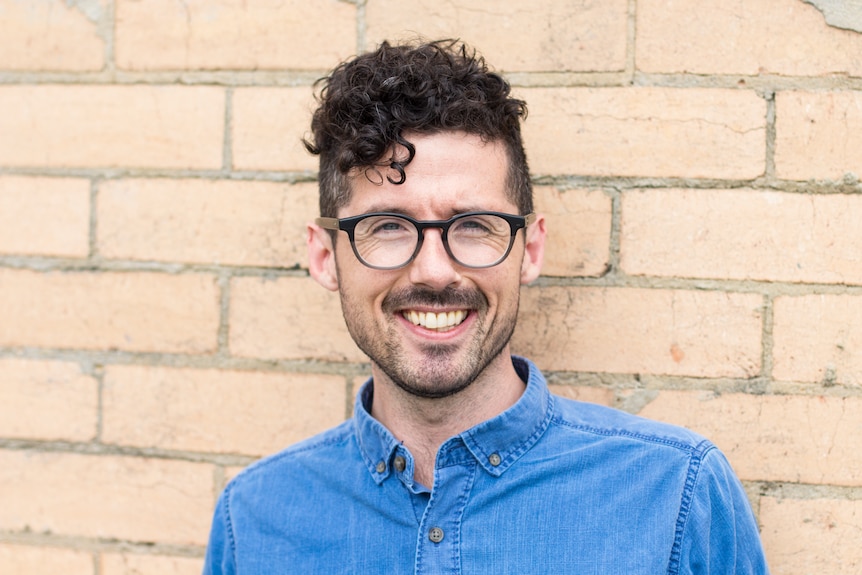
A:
(698, 162)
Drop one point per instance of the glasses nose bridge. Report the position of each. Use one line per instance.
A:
(442, 225)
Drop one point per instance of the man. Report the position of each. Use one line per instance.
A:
(457, 459)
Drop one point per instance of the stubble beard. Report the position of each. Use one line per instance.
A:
(440, 370)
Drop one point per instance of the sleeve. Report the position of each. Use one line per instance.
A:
(220, 558)
(720, 535)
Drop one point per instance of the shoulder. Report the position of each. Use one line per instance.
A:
(671, 454)
(599, 421)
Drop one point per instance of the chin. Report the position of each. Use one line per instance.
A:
(438, 391)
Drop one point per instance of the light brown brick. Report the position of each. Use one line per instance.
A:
(205, 221)
(818, 338)
(818, 135)
(47, 400)
(547, 35)
(268, 125)
(145, 312)
(234, 34)
(645, 131)
(32, 560)
(807, 536)
(721, 234)
(600, 395)
(128, 564)
(106, 497)
(752, 37)
(288, 318)
(629, 330)
(251, 413)
(44, 216)
(579, 231)
(802, 439)
(111, 126)
(50, 35)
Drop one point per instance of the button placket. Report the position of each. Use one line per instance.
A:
(439, 538)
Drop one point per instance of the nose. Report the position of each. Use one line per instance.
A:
(432, 266)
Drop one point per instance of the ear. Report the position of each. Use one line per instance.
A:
(321, 257)
(534, 250)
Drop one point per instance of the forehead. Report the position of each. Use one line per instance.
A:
(452, 172)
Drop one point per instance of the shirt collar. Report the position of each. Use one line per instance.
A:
(496, 444)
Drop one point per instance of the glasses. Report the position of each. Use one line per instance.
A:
(386, 241)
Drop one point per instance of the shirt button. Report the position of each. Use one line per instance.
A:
(400, 463)
(494, 459)
(435, 535)
(381, 467)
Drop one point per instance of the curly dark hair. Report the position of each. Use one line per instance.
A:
(367, 104)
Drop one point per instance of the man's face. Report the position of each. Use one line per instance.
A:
(391, 314)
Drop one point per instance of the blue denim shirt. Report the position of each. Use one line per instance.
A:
(550, 486)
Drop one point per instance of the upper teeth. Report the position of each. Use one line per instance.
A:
(433, 320)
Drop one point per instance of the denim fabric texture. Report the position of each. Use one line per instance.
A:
(550, 486)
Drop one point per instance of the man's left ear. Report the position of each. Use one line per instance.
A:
(534, 250)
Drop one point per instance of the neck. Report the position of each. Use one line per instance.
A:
(423, 424)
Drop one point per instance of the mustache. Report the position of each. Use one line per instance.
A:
(447, 297)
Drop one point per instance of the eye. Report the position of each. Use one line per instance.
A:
(390, 225)
(480, 225)
(384, 228)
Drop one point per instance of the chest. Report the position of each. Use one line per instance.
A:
(530, 520)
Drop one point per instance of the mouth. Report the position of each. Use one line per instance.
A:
(440, 322)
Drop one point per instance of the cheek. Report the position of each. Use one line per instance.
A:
(362, 289)
(501, 289)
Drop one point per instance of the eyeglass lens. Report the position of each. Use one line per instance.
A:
(476, 240)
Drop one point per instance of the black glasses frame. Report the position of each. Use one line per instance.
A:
(349, 225)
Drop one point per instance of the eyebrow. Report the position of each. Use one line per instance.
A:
(401, 211)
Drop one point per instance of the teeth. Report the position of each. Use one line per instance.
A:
(439, 321)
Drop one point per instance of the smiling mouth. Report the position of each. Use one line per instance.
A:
(443, 321)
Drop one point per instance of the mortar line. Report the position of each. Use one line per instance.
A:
(93, 449)
(110, 35)
(361, 26)
(48, 263)
(767, 342)
(101, 545)
(806, 491)
(98, 372)
(631, 42)
(223, 338)
(770, 136)
(227, 143)
(179, 361)
(614, 247)
(93, 244)
(304, 77)
(822, 187)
